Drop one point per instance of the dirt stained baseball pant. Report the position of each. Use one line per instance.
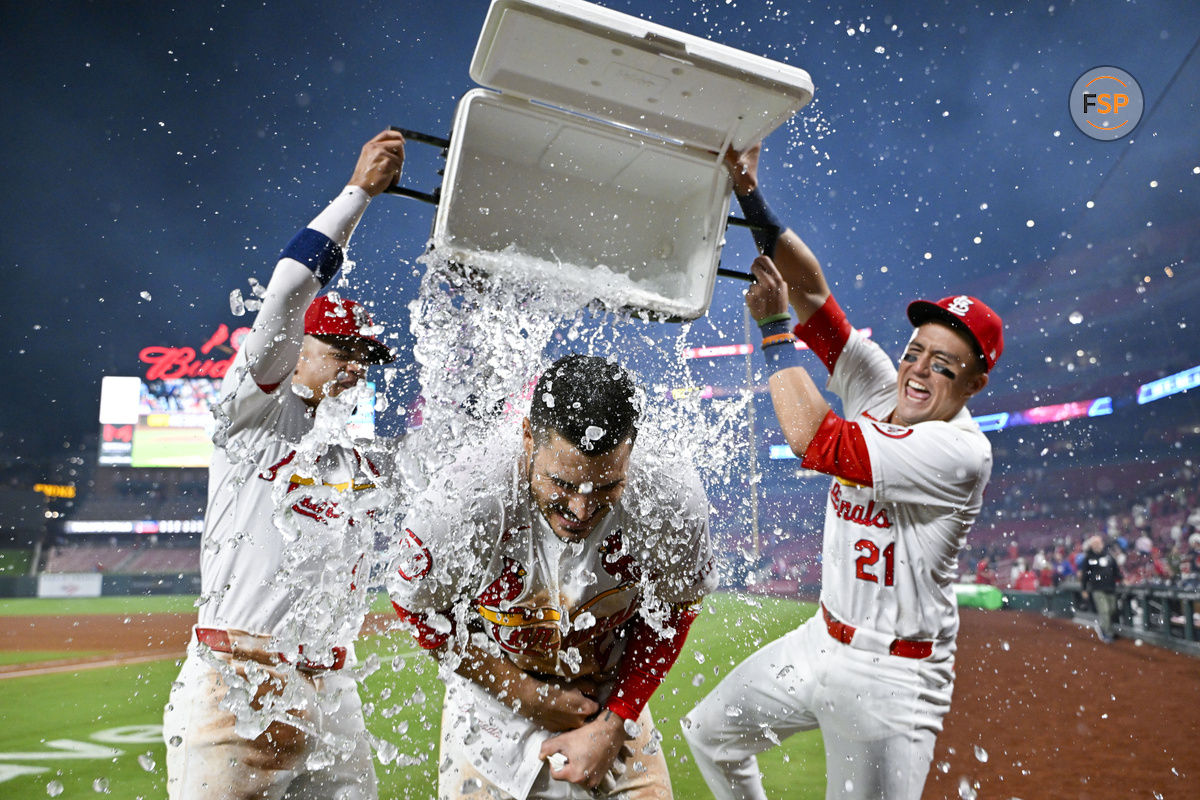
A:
(879, 716)
(206, 758)
(641, 763)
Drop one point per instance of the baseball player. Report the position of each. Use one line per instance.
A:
(263, 706)
(555, 574)
(874, 668)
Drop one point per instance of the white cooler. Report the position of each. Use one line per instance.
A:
(596, 161)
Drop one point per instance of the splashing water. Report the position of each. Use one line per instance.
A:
(481, 342)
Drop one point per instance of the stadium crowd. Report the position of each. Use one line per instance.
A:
(1156, 538)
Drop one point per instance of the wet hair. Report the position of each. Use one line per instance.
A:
(590, 402)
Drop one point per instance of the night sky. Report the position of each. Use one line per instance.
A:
(160, 155)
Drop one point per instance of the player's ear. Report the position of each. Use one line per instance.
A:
(976, 383)
(527, 437)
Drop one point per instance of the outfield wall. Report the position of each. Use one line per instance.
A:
(96, 585)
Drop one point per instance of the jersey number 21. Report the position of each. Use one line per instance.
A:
(865, 564)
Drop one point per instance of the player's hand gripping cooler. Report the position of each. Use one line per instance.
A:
(595, 153)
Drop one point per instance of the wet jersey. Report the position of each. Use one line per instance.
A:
(477, 555)
(476, 550)
(265, 497)
(290, 502)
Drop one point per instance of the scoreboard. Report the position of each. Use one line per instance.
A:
(167, 422)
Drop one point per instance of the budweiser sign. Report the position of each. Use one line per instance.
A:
(187, 362)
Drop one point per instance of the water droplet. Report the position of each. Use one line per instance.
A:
(632, 729)
(175, 741)
(981, 755)
(54, 788)
(100, 785)
(146, 762)
(1075, 318)
(145, 295)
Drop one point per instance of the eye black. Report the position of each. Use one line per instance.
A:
(942, 369)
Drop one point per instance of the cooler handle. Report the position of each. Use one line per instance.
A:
(733, 273)
(435, 196)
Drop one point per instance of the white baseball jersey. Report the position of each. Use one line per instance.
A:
(267, 499)
(890, 550)
(291, 507)
(478, 552)
(879, 692)
(287, 515)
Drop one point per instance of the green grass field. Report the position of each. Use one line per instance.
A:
(75, 606)
(96, 730)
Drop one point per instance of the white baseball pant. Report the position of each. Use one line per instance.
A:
(641, 765)
(206, 758)
(879, 716)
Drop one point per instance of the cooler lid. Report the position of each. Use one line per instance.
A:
(622, 69)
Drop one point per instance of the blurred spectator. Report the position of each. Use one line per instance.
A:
(1043, 568)
(1064, 566)
(984, 573)
(1025, 579)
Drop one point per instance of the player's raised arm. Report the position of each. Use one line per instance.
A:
(311, 260)
(807, 289)
(799, 404)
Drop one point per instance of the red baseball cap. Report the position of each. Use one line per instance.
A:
(347, 319)
(968, 314)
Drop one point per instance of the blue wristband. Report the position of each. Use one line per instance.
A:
(767, 227)
(316, 251)
(779, 346)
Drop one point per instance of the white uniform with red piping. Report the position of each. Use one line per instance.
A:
(874, 667)
(288, 522)
(479, 555)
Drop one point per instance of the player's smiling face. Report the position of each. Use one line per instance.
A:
(573, 490)
(937, 374)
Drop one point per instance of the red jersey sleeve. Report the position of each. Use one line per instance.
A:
(648, 658)
(423, 632)
(840, 449)
(826, 332)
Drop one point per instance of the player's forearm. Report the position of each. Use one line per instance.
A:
(807, 289)
(512, 686)
(799, 407)
(648, 658)
(308, 263)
